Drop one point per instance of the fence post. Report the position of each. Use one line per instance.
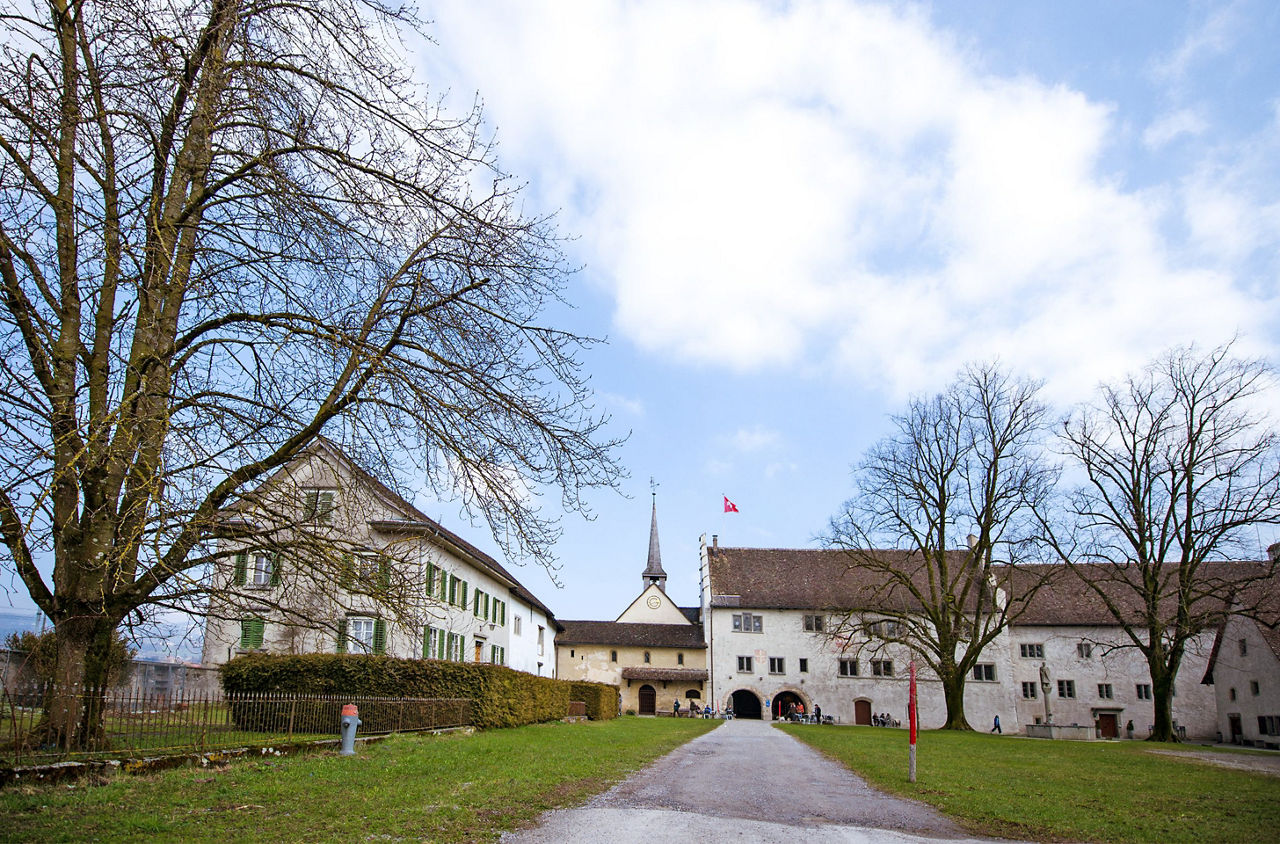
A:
(293, 708)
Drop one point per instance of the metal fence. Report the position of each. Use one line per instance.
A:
(53, 724)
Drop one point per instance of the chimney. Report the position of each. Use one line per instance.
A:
(973, 542)
(1273, 552)
(715, 541)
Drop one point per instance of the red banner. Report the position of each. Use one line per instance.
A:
(911, 702)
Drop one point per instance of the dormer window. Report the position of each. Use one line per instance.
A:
(317, 506)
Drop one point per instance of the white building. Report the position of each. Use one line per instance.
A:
(323, 557)
(768, 616)
(1244, 671)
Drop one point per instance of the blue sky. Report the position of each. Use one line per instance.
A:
(793, 216)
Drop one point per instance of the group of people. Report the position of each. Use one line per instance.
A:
(795, 712)
(692, 711)
(884, 719)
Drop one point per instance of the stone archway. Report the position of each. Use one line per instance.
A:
(648, 700)
(783, 701)
(746, 704)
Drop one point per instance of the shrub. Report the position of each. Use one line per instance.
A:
(501, 697)
(601, 699)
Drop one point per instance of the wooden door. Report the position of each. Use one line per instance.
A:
(648, 700)
(862, 712)
(1109, 725)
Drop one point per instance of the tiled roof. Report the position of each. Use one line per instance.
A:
(809, 578)
(630, 634)
(806, 578)
(648, 672)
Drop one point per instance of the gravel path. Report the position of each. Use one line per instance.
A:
(743, 781)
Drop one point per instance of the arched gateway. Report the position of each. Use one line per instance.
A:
(745, 704)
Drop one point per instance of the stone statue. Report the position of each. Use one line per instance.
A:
(1044, 687)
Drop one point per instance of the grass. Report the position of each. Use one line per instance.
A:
(449, 788)
(1060, 790)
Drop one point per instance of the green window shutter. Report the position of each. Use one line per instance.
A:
(324, 506)
(442, 652)
(246, 635)
(504, 614)
(379, 636)
(485, 615)
(276, 560)
(431, 580)
(342, 636)
(463, 602)
(242, 568)
(384, 571)
(259, 630)
(310, 505)
(346, 571)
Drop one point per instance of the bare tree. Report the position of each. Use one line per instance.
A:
(228, 227)
(965, 470)
(1180, 469)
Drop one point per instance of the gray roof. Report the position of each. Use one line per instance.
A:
(632, 634)
(654, 567)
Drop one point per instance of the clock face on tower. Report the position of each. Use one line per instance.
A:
(654, 602)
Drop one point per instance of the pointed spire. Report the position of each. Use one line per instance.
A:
(653, 573)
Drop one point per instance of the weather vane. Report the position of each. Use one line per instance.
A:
(653, 487)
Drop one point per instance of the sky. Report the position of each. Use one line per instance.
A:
(791, 217)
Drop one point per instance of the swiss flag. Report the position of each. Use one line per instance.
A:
(729, 506)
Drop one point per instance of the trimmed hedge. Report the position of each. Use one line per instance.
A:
(602, 699)
(502, 697)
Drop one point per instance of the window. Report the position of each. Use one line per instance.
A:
(679, 659)
(1269, 725)
(884, 629)
(1231, 693)
(646, 657)
(814, 623)
(251, 633)
(613, 656)
(457, 591)
(777, 665)
(263, 569)
(257, 568)
(1144, 691)
(361, 634)
(317, 506)
(515, 625)
(542, 638)
(1244, 647)
(499, 616)
(985, 672)
(744, 665)
(497, 655)
(804, 665)
(1084, 650)
(1028, 690)
(1066, 688)
(1031, 651)
(374, 570)
(882, 667)
(1104, 691)
(438, 643)
(748, 623)
(1253, 688)
(435, 581)
(848, 668)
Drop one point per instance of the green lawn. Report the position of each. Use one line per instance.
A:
(1054, 790)
(446, 788)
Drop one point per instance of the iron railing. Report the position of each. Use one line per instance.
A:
(53, 724)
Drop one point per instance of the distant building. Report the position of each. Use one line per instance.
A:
(373, 575)
(654, 651)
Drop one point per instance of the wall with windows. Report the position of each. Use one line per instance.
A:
(604, 664)
(445, 605)
(1092, 673)
(1246, 684)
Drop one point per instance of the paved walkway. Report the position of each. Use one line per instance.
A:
(743, 781)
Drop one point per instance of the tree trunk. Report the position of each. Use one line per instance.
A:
(1162, 698)
(74, 701)
(953, 692)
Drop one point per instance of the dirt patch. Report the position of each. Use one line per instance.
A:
(1269, 765)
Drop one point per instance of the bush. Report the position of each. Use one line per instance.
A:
(601, 699)
(42, 654)
(501, 697)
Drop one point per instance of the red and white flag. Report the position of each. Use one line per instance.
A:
(729, 506)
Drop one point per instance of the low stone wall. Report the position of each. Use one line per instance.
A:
(1061, 732)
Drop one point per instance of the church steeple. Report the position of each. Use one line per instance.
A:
(653, 573)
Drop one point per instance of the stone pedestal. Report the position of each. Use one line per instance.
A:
(1060, 731)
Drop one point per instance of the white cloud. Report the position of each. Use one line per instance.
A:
(1173, 125)
(836, 185)
(1212, 37)
(758, 438)
(615, 402)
